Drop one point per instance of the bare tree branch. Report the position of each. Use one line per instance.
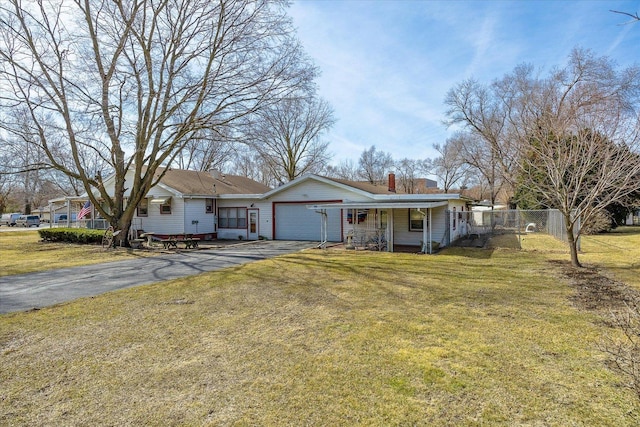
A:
(288, 136)
(132, 83)
(635, 17)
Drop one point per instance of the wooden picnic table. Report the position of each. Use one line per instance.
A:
(173, 240)
(191, 242)
(169, 243)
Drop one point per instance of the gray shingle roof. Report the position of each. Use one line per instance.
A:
(190, 182)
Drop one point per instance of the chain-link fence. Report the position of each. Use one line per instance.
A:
(482, 224)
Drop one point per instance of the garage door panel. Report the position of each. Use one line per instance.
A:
(294, 221)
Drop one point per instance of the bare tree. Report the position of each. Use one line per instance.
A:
(571, 136)
(206, 150)
(450, 166)
(133, 82)
(585, 139)
(409, 171)
(374, 166)
(246, 162)
(346, 169)
(288, 135)
(483, 114)
(483, 159)
(24, 163)
(7, 185)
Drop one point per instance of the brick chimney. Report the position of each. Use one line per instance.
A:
(392, 182)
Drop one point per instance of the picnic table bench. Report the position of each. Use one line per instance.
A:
(172, 242)
(169, 243)
(191, 242)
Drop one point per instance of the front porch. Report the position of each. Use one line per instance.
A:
(389, 226)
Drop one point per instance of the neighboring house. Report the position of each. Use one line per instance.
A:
(311, 207)
(61, 211)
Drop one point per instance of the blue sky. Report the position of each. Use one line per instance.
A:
(388, 64)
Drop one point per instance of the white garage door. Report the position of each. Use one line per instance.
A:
(296, 222)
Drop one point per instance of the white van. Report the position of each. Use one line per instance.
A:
(28, 221)
(9, 219)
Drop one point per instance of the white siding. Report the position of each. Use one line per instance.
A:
(265, 216)
(402, 235)
(307, 225)
(457, 229)
(295, 222)
(195, 210)
(313, 192)
(164, 223)
(439, 228)
(156, 222)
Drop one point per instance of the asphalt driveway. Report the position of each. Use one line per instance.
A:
(35, 290)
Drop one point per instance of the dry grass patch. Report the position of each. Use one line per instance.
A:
(616, 253)
(23, 252)
(468, 337)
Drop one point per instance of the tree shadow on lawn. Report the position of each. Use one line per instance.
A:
(504, 241)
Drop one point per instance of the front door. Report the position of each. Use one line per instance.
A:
(253, 224)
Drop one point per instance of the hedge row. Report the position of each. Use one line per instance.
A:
(72, 235)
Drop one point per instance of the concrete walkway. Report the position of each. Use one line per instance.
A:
(35, 290)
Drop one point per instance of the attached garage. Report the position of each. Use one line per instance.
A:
(293, 221)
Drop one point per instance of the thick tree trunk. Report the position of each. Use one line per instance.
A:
(124, 225)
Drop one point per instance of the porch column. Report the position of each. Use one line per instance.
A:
(430, 236)
(426, 232)
(390, 230)
(323, 228)
(68, 213)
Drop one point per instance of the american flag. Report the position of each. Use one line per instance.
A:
(85, 210)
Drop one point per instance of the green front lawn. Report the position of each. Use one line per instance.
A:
(467, 337)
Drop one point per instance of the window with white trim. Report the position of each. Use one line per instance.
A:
(165, 208)
(416, 218)
(208, 205)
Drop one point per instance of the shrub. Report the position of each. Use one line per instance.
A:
(624, 353)
(72, 235)
(600, 223)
